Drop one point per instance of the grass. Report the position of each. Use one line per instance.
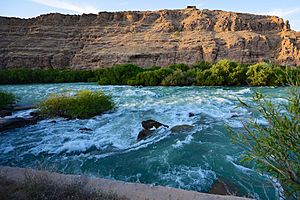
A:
(84, 104)
(6, 99)
(42, 188)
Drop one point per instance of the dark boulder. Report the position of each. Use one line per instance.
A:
(149, 124)
(34, 114)
(85, 129)
(143, 134)
(4, 113)
(18, 122)
(148, 127)
(191, 114)
(181, 128)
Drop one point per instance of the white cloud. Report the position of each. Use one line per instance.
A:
(282, 13)
(63, 4)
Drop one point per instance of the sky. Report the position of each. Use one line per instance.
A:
(287, 9)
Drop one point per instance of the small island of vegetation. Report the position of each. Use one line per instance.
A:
(84, 104)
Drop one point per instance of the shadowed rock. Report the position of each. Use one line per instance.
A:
(4, 113)
(18, 122)
(181, 128)
(144, 133)
(85, 129)
(191, 114)
(149, 124)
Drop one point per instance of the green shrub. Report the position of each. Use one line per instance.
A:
(118, 75)
(222, 73)
(181, 66)
(202, 65)
(180, 78)
(274, 148)
(260, 74)
(152, 78)
(84, 104)
(6, 99)
(24, 75)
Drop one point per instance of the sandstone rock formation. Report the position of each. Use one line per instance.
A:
(145, 38)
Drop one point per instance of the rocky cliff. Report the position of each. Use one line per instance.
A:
(146, 38)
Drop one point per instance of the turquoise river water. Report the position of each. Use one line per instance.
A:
(191, 160)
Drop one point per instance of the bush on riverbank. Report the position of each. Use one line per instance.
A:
(6, 99)
(117, 75)
(84, 104)
(24, 75)
(222, 73)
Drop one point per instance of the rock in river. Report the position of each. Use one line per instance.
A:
(191, 114)
(181, 128)
(143, 134)
(85, 129)
(149, 124)
(18, 122)
(4, 113)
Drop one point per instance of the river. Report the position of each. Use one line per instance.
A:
(192, 160)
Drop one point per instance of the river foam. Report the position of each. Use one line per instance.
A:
(192, 160)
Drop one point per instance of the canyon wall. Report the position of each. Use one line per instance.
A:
(146, 38)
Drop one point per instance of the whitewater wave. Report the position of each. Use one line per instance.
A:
(180, 143)
(189, 178)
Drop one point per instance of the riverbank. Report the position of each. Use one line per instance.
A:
(132, 191)
(222, 73)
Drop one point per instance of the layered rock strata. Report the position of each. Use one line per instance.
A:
(146, 38)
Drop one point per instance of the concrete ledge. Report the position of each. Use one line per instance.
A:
(133, 191)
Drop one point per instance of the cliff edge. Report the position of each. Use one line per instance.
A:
(146, 38)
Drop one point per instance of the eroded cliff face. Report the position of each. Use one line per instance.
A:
(146, 38)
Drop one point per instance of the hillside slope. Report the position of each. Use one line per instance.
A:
(146, 38)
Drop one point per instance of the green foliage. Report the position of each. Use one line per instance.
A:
(180, 78)
(222, 73)
(202, 65)
(6, 99)
(176, 78)
(118, 75)
(275, 148)
(24, 75)
(84, 104)
(181, 66)
(264, 74)
(152, 78)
